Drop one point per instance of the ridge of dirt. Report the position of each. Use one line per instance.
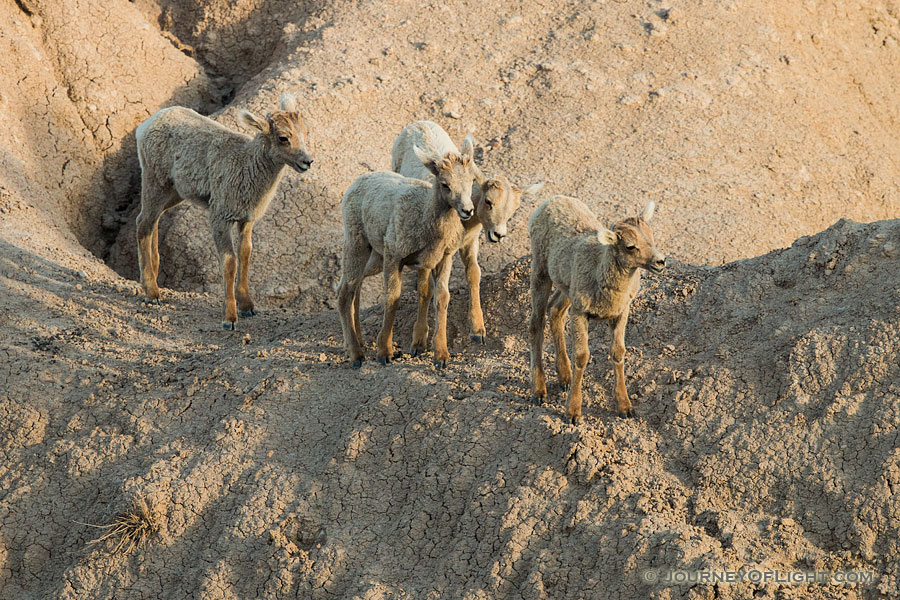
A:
(73, 93)
(767, 435)
(232, 41)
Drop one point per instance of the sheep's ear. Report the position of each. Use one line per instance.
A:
(251, 121)
(288, 102)
(468, 146)
(427, 160)
(534, 188)
(647, 213)
(480, 179)
(608, 237)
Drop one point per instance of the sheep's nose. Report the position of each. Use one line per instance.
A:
(499, 235)
(466, 214)
(660, 263)
(307, 162)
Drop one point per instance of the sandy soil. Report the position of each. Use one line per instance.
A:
(768, 429)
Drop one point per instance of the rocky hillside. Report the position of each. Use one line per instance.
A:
(257, 464)
(767, 436)
(751, 123)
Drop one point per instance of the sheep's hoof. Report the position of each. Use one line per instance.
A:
(440, 364)
(415, 351)
(154, 301)
(627, 414)
(356, 364)
(398, 354)
(537, 400)
(479, 339)
(247, 313)
(564, 387)
(229, 325)
(384, 360)
(576, 419)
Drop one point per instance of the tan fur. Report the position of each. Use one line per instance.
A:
(596, 274)
(186, 156)
(392, 221)
(495, 202)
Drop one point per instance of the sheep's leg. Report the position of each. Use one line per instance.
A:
(154, 250)
(392, 289)
(420, 330)
(145, 226)
(357, 327)
(540, 295)
(173, 200)
(559, 307)
(374, 264)
(469, 256)
(373, 267)
(154, 202)
(442, 301)
(147, 221)
(352, 273)
(221, 231)
(244, 302)
(617, 356)
(582, 356)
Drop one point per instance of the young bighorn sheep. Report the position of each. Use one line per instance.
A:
(186, 156)
(495, 200)
(399, 221)
(596, 272)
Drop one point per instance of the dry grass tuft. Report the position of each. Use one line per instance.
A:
(133, 527)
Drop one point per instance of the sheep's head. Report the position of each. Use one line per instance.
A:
(499, 200)
(285, 131)
(633, 239)
(454, 175)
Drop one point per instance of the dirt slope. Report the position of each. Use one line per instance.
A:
(78, 78)
(750, 122)
(767, 433)
(767, 436)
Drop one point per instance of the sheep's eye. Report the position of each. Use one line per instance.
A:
(631, 247)
(489, 204)
(283, 139)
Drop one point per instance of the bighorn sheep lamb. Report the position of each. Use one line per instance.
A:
(596, 272)
(186, 156)
(495, 200)
(397, 221)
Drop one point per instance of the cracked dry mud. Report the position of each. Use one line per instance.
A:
(768, 428)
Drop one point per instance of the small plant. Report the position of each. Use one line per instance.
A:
(133, 527)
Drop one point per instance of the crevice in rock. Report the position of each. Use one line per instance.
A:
(23, 6)
(230, 47)
(232, 43)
